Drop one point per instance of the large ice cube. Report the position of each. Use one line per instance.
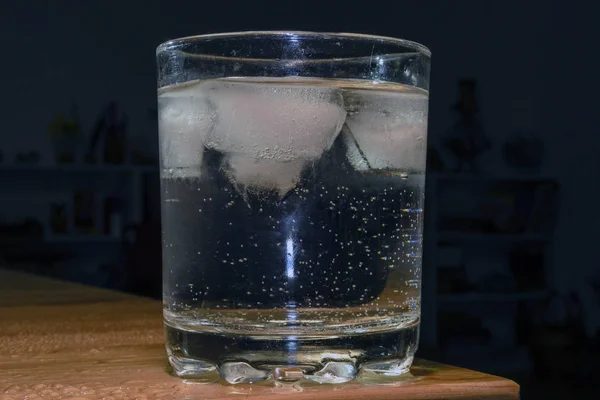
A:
(265, 173)
(275, 120)
(388, 131)
(185, 120)
(282, 125)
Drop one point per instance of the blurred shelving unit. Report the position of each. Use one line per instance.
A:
(474, 224)
(31, 178)
(32, 191)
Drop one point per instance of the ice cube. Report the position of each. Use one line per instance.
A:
(355, 155)
(264, 173)
(185, 120)
(279, 121)
(388, 131)
(271, 130)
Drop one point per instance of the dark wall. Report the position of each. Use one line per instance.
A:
(535, 63)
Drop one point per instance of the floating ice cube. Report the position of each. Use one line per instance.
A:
(280, 121)
(282, 126)
(185, 120)
(388, 131)
(353, 151)
(265, 173)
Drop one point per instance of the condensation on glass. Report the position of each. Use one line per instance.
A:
(292, 178)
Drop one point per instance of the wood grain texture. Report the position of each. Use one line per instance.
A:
(60, 340)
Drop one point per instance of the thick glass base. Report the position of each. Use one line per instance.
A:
(331, 359)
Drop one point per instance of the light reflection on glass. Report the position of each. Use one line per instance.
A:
(289, 258)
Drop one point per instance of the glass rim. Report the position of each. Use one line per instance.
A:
(408, 44)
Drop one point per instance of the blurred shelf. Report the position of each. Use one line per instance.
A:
(17, 241)
(516, 177)
(481, 297)
(467, 237)
(79, 238)
(31, 242)
(76, 168)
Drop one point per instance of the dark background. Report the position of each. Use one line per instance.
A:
(536, 70)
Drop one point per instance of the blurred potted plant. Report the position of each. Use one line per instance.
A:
(65, 133)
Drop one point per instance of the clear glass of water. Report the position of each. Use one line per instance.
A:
(292, 178)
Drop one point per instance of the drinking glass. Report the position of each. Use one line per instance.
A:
(292, 178)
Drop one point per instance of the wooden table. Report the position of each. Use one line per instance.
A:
(62, 340)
